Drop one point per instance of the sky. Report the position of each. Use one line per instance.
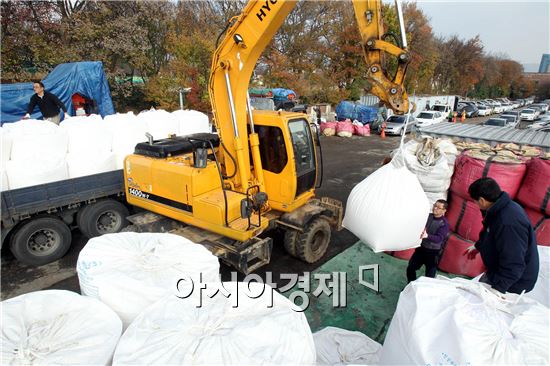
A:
(517, 29)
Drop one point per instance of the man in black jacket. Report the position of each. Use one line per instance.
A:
(48, 103)
(507, 242)
(433, 239)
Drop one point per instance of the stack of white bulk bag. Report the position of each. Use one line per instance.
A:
(39, 170)
(32, 138)
(57, 327)
(541, 292)
(130, 271)
(87, 134)
(460, 322)
(388, 210)
(5, 185)
(127, 131)
(159, 123)
(5, 140)
(234, 326)
(83, 164)
(337, 346)
(89, 150)
(430, 165)
(191, 121)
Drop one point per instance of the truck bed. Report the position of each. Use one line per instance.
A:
(25, 201)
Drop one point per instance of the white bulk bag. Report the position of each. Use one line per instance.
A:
(26, 126)
(541, 291)
(33, 138)
(448, 148)
(337, 346)
(190, 121)
(127, 131)
(175, 331)
(5, 186)
(130, 271)
(434, 196)
(388, 210)
(159, 123)
(57, 327)
(87, 135)
(82, 164)
(5, 140)
(460, 322)
(429, 165)
(39, 170)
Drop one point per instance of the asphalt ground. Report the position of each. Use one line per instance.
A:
(346, 162)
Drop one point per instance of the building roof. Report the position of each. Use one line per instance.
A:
(491, 135)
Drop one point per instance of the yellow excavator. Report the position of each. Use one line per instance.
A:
(228, 190)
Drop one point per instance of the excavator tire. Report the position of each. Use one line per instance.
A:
(311, 245)
(291, 236)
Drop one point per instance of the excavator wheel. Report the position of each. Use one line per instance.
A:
(312, 243)
(291, 236)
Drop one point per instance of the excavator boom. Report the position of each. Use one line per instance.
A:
(235, 59)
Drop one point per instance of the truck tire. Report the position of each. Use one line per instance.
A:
(102, 217)
(310, 245)
(40, 241)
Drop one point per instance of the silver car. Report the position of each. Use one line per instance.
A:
(395, 125)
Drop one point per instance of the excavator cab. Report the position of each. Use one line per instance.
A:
(288, 158)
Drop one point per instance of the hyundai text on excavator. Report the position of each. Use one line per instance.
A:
(227, 191)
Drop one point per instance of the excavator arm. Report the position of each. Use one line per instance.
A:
(235, 59)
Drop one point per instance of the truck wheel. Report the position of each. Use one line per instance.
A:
(312, 244)
(40, 241)
(103, 217)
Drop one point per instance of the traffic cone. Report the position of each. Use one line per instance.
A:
(383, 133)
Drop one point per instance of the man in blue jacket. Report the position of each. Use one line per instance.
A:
(433, 239)
(507, 242)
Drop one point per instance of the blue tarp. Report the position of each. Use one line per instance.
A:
(281, 94)
(86, 78)
(353, 111)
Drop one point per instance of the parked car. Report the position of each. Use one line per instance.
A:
(428, 118)
(540, 124)
(511, 120)
(513, 113)
(500, 122)
(483, 110)
(528, 114)
(543, 107)
(395, 125)
(471, 110)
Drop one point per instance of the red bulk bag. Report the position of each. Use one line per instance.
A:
(469, 169)
(328, 128)
(464, 218)
(535, 189)
(454, 261)
(403, 254)
(541, 224)
(344, 129)
(361, 130)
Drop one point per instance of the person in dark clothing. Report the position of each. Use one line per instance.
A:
(433, 239)
(48, 103)
(507, 242)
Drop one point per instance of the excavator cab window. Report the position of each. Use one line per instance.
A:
(304, 154)
(272, 148)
